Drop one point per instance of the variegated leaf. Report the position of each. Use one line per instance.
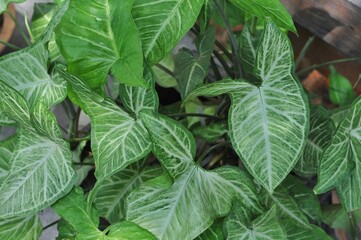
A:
(28, 228)
(7, 147)
(214, 232)
(294, 231)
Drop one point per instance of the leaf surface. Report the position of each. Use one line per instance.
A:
(214, 232)
(21, 228)
(294, 231)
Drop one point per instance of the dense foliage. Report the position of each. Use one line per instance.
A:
(234, 156)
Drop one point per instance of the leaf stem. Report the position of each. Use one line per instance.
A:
(18, 27)
(200, 115)
(254, 26)
(9, 45)
(51, 224)
(304, 50)
(325, 64)
(215, 69)
(165, 69)
(223, 63)
(87, 138)
(209, 150)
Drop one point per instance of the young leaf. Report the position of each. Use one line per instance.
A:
(110, 195)
(240, 226)
(268, 124)
(162, 24)
(41, 170)
(340, 163)
(191, 70)
(319, 137)
(294, 231)
(21, 228)
(117, 138)
(265, 8)
(111, 43)
(212, 132)
(214, 232)
(341, 91)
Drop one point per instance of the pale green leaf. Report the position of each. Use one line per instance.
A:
(27, 228)
(33, 82)
(340, 163)
(110, 194)
(266, 8)
(191, 68)
(4, 4)
(128, 231)
(287, 206)
(321, 130)
(214, 232)
(196, 106)
(337, 115)
(136, 99)
(99, 36)
(294, 231)
(41, 170)
(240, 226)
(187, 207)
(211, 132)
(117, 139)
(340, 90)
(162, 24)
(268, 124)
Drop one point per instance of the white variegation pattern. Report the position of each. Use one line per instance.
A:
(33, 81)
(239, 226)
(340, 163)
(117, 139)
(6, 150)
(294, 231)
(22, 228)
(321, 130)
(163, 23)
(110, 194)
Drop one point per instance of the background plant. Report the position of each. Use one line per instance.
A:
(234, 158)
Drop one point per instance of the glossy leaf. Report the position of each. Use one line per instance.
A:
(294, 231)
(191, 69)
(113, 191)
(340, 162)
(212, 132)
(265, 8)
(41, 170)
(321, 130)
(268, 124)
(214, 232)
(117, 139)
(21, 228)
(240, 226)
(340, 90)
(162, 24)
(111, 43)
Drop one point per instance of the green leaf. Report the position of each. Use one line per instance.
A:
(294, 231)
(275, 114)
(128, 231)
(319, 137)
(187, 207)
(110, 195)
(340, 90)
(191, 70)
(214, 232)
(248, 47)
(211, 132)
(287, 206)
(21, 228)
(206, 15)
(239, 225)
(100, 36)
(66, 231)
(4, 4)
(304, 197)
(136, 99)
(265, 8)
(82, 169)
(41, 170)
(162, 24)
(340, 163)
(117, 139)
(33, 81)
(6, 150)
(163, 72)
(74, 209)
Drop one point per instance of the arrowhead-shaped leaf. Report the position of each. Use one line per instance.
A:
(21, 228)
(265, 8)
(117, 138)
(187, 207)
(268, 124)
(321, 130)
(162, 24)
(110, 194)
(99, 36)
(240, 226)
(41, 170)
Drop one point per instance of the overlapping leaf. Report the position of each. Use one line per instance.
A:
(294, 231)
(265, 8)
(248, 47)
(113, 191)
(21, 228)
(321, 130)
(187, 207)
(211, 132)
(6, 150)
(100, 36)
(240, 225)
(268, 124)
(117, 138)
(162, 24)
(214, 232)
(40, 170)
